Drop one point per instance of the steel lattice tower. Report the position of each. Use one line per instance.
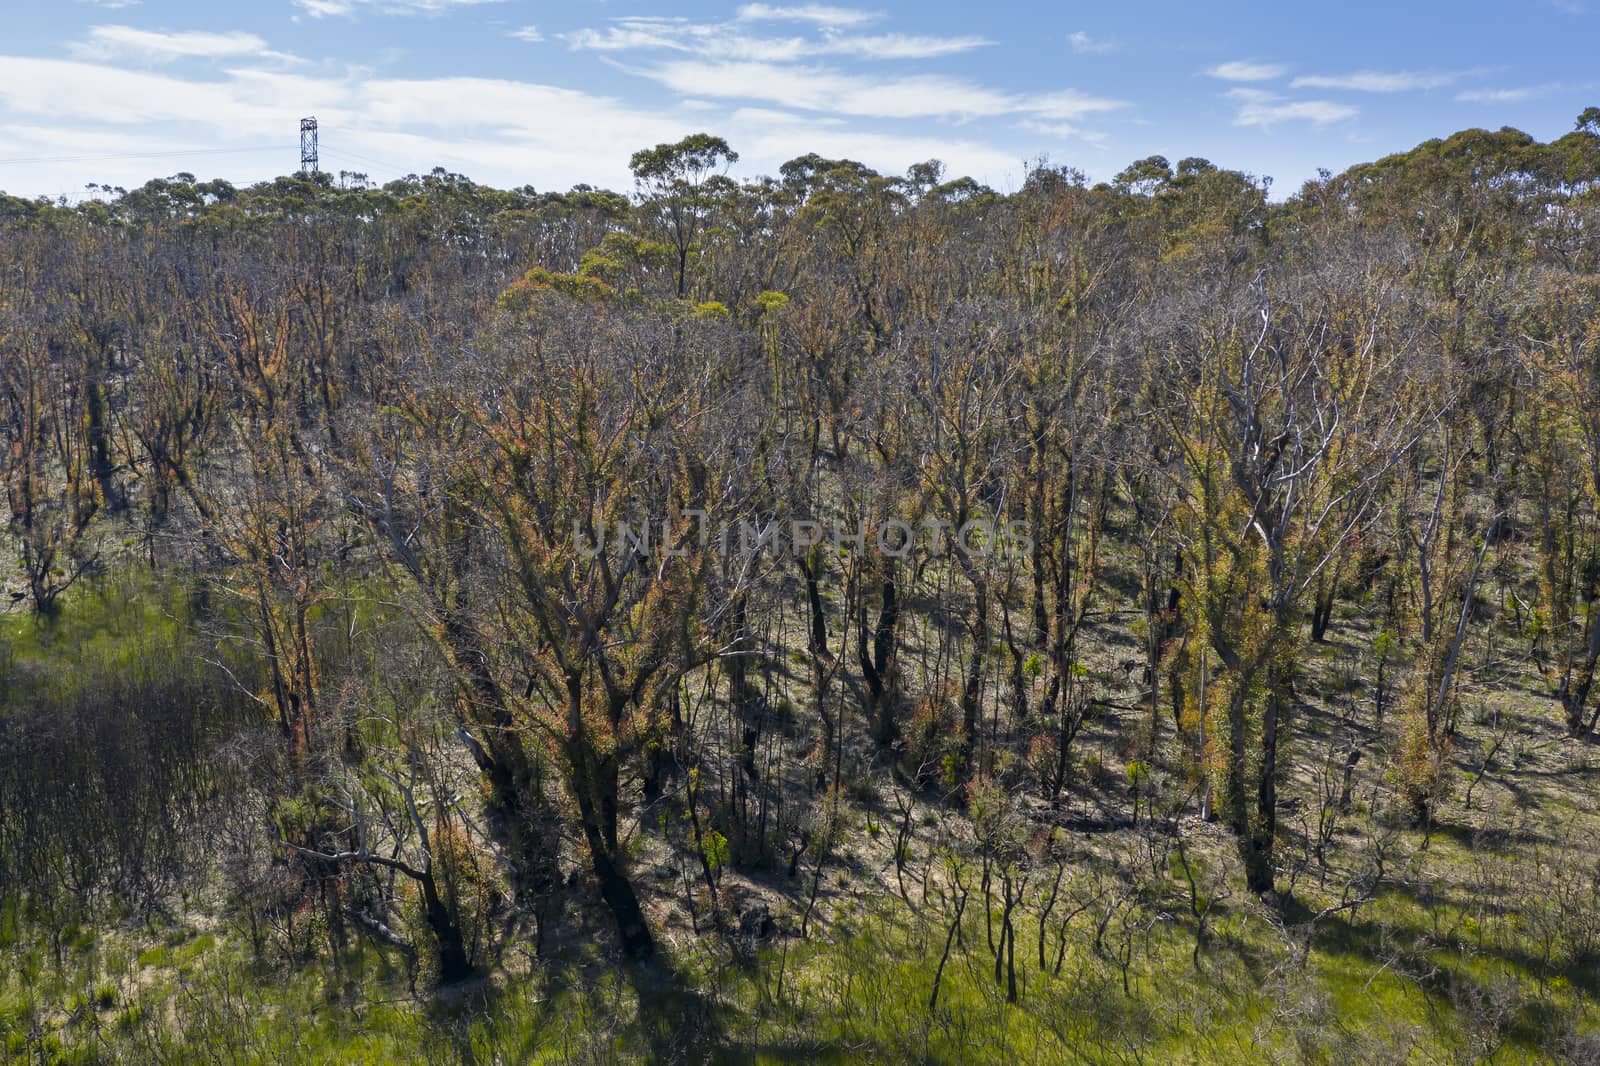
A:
(308, 146)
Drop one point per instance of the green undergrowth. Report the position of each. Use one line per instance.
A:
(1382, 984)
(108, 623)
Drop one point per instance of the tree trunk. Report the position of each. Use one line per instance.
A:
(972, 691)
(1322, 605)
(878, 666)
(1576, 685)
(1259, 868)
(454, 965)
(594, 784)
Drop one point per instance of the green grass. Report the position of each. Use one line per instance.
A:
(109, 622)
(858, 992)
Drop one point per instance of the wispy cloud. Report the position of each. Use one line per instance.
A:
(729, 61)
(728, 41)
(821, 89)
(901, 46)
(530, 34)
(1084, 45)
(127, 42)
(1506, 96)
(629, 34)
(824, 15)
(1242, 70)
(1064, 131)
(351, 8)
(1264, 109)
(1377, 81)
(111, 5)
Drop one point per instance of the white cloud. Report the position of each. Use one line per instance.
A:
(70, 91)
(819, 14)
(1264, 109)
(636, 33)
(530, 34)
(114, 42)
(1317, 112)
(351, 8)
(723, 61)
(1240, 70)
(825, 90)
(1505, 96)
(1376, 81)
(112, 5)
(505, 132)
(1066, 105)
(900, 46)
(1084, 45)
(1064, 131)
(728, 42)
(820, 89)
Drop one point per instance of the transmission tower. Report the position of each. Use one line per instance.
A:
(308, 146)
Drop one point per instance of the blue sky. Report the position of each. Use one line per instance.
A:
(514, 92)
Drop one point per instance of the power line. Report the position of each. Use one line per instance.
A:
(138, 155)
(377, 162)
(411, 168)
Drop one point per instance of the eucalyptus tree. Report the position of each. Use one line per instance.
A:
(1290, 419)
(582, 450)
(676, 184)
(1562, 341)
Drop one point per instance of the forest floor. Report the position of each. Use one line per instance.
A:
(1475, 938)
